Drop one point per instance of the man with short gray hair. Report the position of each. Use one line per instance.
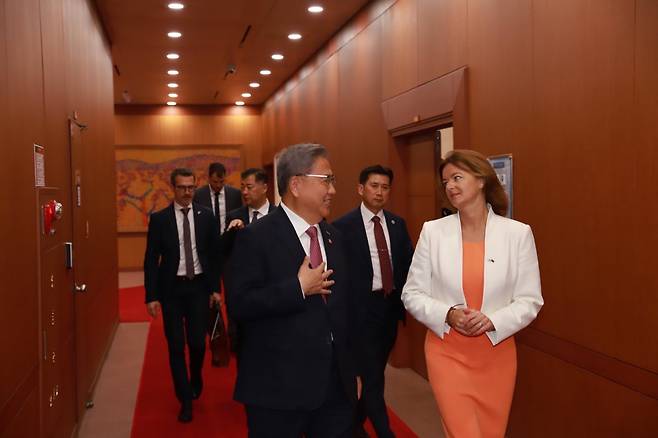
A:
(288, 291)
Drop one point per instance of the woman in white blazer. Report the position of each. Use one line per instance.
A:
(474, 282)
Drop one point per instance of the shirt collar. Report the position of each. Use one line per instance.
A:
(177, 206)
(263, 210)
(221, 192)
(368, 215)
(298, 222)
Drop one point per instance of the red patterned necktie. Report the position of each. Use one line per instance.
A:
(384, 259)
(315, 254)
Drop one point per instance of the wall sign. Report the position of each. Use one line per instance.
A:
(39, 166)
(502, 164)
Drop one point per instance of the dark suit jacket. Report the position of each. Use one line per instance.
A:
(361, 273)
(233, 197)
(228, 238)
(163, 255)
(285, 339)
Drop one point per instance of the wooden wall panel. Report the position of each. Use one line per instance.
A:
(442, 31)
(399, 48)
(22, 113)
(363, 139)
(577, 403)
(568, 88)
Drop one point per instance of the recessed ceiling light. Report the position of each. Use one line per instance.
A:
(315, 9)
(174, 34)
(265, 72)
(172, 72)
(173, 56)
(239, 103)
(277, 56)
(172, 95)
(246, 94)
(294, 36)
(176, 6)
(254, 85)
(170, 103)
(172, 85)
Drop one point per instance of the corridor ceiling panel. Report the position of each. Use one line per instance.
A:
(223, 47)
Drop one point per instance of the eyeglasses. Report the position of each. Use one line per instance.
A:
(327, 179)
(186, 188)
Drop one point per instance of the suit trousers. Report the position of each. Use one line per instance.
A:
(185, 315)
(377, 339)
(334, 419)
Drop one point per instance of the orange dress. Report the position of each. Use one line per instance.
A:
(472, 381)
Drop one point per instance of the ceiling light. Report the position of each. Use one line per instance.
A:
(174, 34)
(315, 9)
(170, 103)
(239, 103)
(172, 85)
(294, 36)
(176, 6)
(172, 95)
(265, 72)
(172, 72)
(254, 85)
(173, 56)
(277, 56)
(246, 94)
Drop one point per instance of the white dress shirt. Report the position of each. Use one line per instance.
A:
(222, 207)
(262, 211)
(181, 240)
(367, 216)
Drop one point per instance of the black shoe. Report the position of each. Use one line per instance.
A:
(185, 414)
(197, 388)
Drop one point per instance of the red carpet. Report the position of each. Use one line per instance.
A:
(131, 305)
(215, 413)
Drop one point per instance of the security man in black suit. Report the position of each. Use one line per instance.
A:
(253, 186)
(219, 197)
(181, 279)
(380, 252)
(289, 292)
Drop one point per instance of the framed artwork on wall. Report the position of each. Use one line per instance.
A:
(142, 174)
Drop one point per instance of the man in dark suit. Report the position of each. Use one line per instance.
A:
(288, 290)
(253, 185)
(181, 279)
(380, 253)
(220, 198)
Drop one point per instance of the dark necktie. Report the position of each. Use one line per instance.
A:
(384, 259)
(187, 244)
(315, 254)
(254, 216)
(217, 216)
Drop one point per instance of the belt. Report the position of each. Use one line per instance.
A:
(185, 278)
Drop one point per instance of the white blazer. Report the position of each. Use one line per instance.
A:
(512, 290)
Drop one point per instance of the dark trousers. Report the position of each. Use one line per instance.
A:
(334, 419)
(378, 334)
(185, 317)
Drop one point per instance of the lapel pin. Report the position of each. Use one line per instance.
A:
(490, 260)
(330, 242)
(393, 221)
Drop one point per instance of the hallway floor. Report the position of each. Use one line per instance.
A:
(408, 394)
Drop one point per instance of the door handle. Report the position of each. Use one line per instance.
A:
(80, 288)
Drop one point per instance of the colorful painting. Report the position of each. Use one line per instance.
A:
(143, 177)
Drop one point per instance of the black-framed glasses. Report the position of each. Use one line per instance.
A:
(327, 179)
